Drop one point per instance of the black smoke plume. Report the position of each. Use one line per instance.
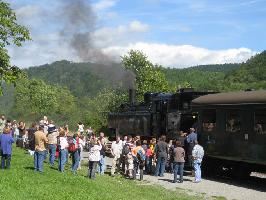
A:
(78, 24)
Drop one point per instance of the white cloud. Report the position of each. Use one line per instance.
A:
(44, 49)
(137, 26)
(108, 36)
(28, 11)
(182, 55)
(104, 4)
(47, 50)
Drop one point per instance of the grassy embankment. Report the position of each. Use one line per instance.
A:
(21, 182)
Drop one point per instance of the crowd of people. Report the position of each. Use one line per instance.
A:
(131, 156)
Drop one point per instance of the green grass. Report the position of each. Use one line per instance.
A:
(22, 183)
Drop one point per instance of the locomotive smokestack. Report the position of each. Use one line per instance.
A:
(132, 96)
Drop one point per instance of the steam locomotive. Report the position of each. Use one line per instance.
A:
(160, 113)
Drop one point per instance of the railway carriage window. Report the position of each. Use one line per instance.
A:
(209, 120)
(233, 123)
(260, 122)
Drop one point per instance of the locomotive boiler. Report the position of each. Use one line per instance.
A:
(160, 113)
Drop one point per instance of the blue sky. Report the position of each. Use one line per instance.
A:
(174, 33)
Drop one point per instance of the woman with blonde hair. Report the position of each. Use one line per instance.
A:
(6, 141)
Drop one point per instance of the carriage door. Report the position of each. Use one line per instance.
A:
(237, 133)
(258, 140)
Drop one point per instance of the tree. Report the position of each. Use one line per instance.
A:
(98, 107)
(34, 98)
(11, 33)
(149, 77)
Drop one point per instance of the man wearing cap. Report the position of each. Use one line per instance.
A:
(191, 138)
(52, 141)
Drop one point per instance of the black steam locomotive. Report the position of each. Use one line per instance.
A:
(160, 113)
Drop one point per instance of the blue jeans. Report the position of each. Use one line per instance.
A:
(45, 154)
(52, 150)
(38, 160)
(178, 169)
(5, 161)
(160, 166)
(62, 159)
(75, 161)
(101, 167)
(67, 155)
(197, 168)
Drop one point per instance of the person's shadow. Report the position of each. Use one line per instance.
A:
(170, 180)
(29, 168)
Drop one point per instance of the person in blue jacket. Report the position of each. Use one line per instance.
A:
(6, 141)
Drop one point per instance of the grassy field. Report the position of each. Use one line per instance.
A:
(22, 183)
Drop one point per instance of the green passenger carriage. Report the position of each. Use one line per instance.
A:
(232, 128)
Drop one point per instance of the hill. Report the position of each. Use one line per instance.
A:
(225, 68)
(83, 79)
(202, 77)
(251, 74)
(87, 79)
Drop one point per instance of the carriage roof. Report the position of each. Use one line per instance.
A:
(240, 97)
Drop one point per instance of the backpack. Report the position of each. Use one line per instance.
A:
(125, 150)
(73, 144)
(141, 156)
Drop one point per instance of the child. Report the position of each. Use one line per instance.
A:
(139, 159)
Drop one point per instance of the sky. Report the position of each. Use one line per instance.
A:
(172, 33)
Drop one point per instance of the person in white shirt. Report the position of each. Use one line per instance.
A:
(44, 122)
(81, 128)
(116, 151)
(81, 146)
(15, 129)
(94, 158)
(102, 166)
(197, 155)
(63, 153)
